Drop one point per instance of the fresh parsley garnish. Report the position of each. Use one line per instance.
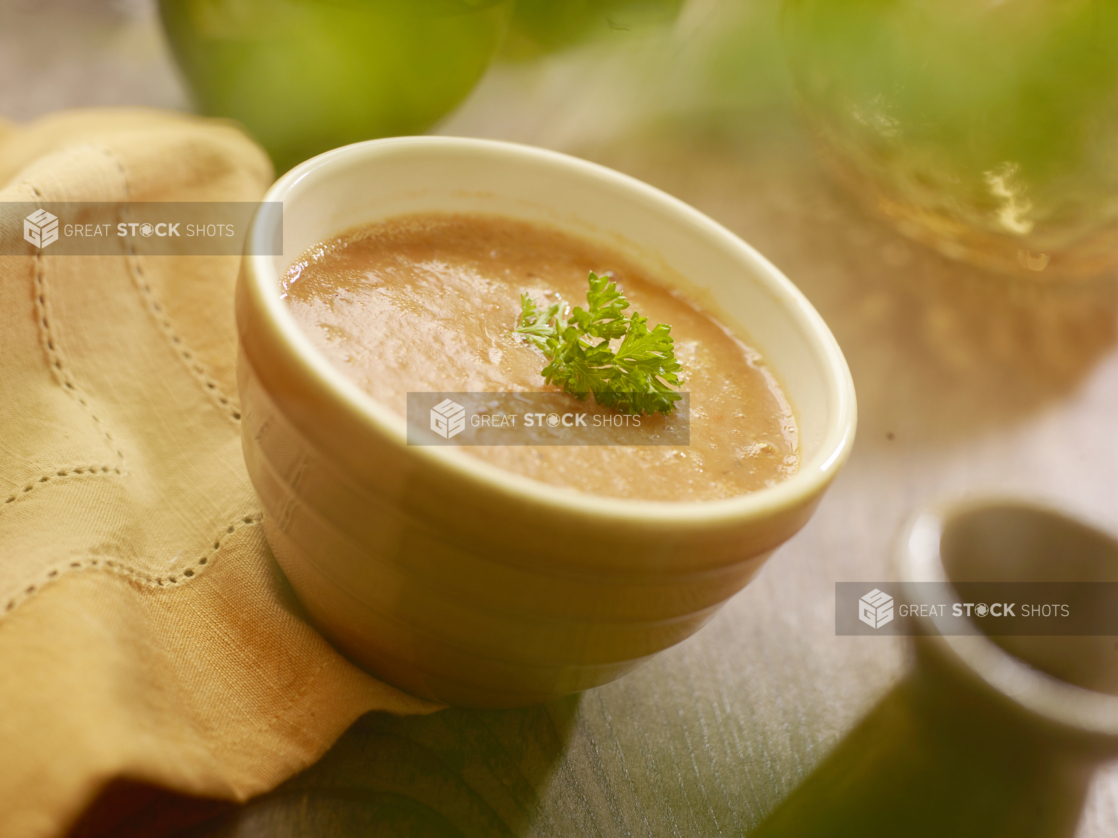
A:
(635, 377)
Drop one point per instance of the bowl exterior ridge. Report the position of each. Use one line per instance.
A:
(424, 666)
(423, 557)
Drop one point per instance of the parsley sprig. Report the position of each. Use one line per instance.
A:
(635, 377)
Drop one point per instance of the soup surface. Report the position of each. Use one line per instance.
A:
(427, 303)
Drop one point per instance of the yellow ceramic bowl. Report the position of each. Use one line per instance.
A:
(452, 578)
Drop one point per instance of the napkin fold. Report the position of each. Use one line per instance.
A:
(146, 634)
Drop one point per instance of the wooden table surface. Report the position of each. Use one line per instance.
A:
(967, 383)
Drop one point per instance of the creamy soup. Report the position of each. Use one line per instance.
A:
(427, 303)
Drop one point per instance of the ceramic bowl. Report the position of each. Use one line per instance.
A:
(1064, 688)
(452, 578)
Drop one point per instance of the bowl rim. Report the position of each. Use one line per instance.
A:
(795, 491)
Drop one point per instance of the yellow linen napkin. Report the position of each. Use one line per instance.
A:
(145, 632)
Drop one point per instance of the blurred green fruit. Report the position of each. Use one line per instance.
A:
(541, 26)
(305, 76)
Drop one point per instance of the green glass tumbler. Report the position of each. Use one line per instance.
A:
(987, 129)
(305, 76)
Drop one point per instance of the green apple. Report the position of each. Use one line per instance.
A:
(305, 76)
(541, 26)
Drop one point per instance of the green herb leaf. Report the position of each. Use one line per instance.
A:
(636, 377)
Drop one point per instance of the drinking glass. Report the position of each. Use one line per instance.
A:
(987, 129)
